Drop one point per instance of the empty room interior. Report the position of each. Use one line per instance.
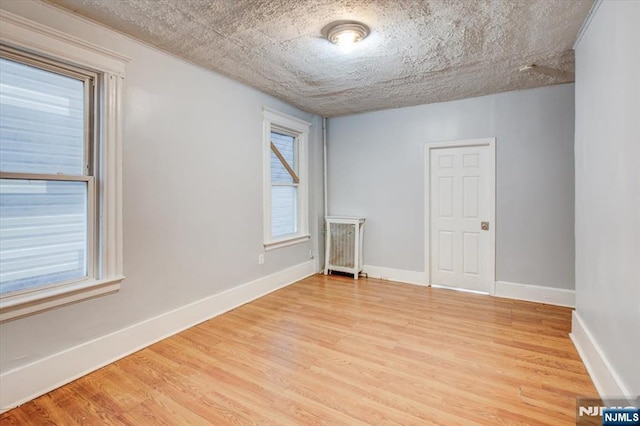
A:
(346, 212)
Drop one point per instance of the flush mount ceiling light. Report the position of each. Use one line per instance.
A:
(346, 33)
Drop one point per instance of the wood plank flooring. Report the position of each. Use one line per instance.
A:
(330, 350)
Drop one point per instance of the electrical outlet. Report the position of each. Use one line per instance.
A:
(260, 259)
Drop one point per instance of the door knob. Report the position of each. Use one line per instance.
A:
(484, 226)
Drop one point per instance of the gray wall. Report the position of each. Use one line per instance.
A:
(607, 150)
(376, 169)
(192, 194)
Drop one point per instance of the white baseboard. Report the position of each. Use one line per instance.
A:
(531, 293)
(607, 382)
(400, 275)
(534, 293)
(32, 380)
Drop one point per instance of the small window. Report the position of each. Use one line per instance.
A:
(60, 181)
(284, 185)
(285, 179)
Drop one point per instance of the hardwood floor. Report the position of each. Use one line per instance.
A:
(330, 350)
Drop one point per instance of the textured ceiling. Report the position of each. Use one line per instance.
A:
(419, 51)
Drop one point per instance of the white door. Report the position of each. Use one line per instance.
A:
(461, 199)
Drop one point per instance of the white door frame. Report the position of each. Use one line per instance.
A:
(428, 147)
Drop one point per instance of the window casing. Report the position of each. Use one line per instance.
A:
(285, 179)
(60, 169)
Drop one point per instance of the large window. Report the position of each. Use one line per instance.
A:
(47, 185)
(285, 141)
(60, 185)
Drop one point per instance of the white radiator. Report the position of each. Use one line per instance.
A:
(344, 245)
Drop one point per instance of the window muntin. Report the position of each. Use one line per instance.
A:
(47, 198)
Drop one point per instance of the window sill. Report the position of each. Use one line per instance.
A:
(20, 305)
(284, 242)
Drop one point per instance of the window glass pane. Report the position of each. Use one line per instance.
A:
(286, 146)
(43, 232)
(284, 210)
(41, 121)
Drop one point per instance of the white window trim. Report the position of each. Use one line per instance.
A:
(278, 120)
(30, 36)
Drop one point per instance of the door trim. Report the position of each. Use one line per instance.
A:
(428, 147)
